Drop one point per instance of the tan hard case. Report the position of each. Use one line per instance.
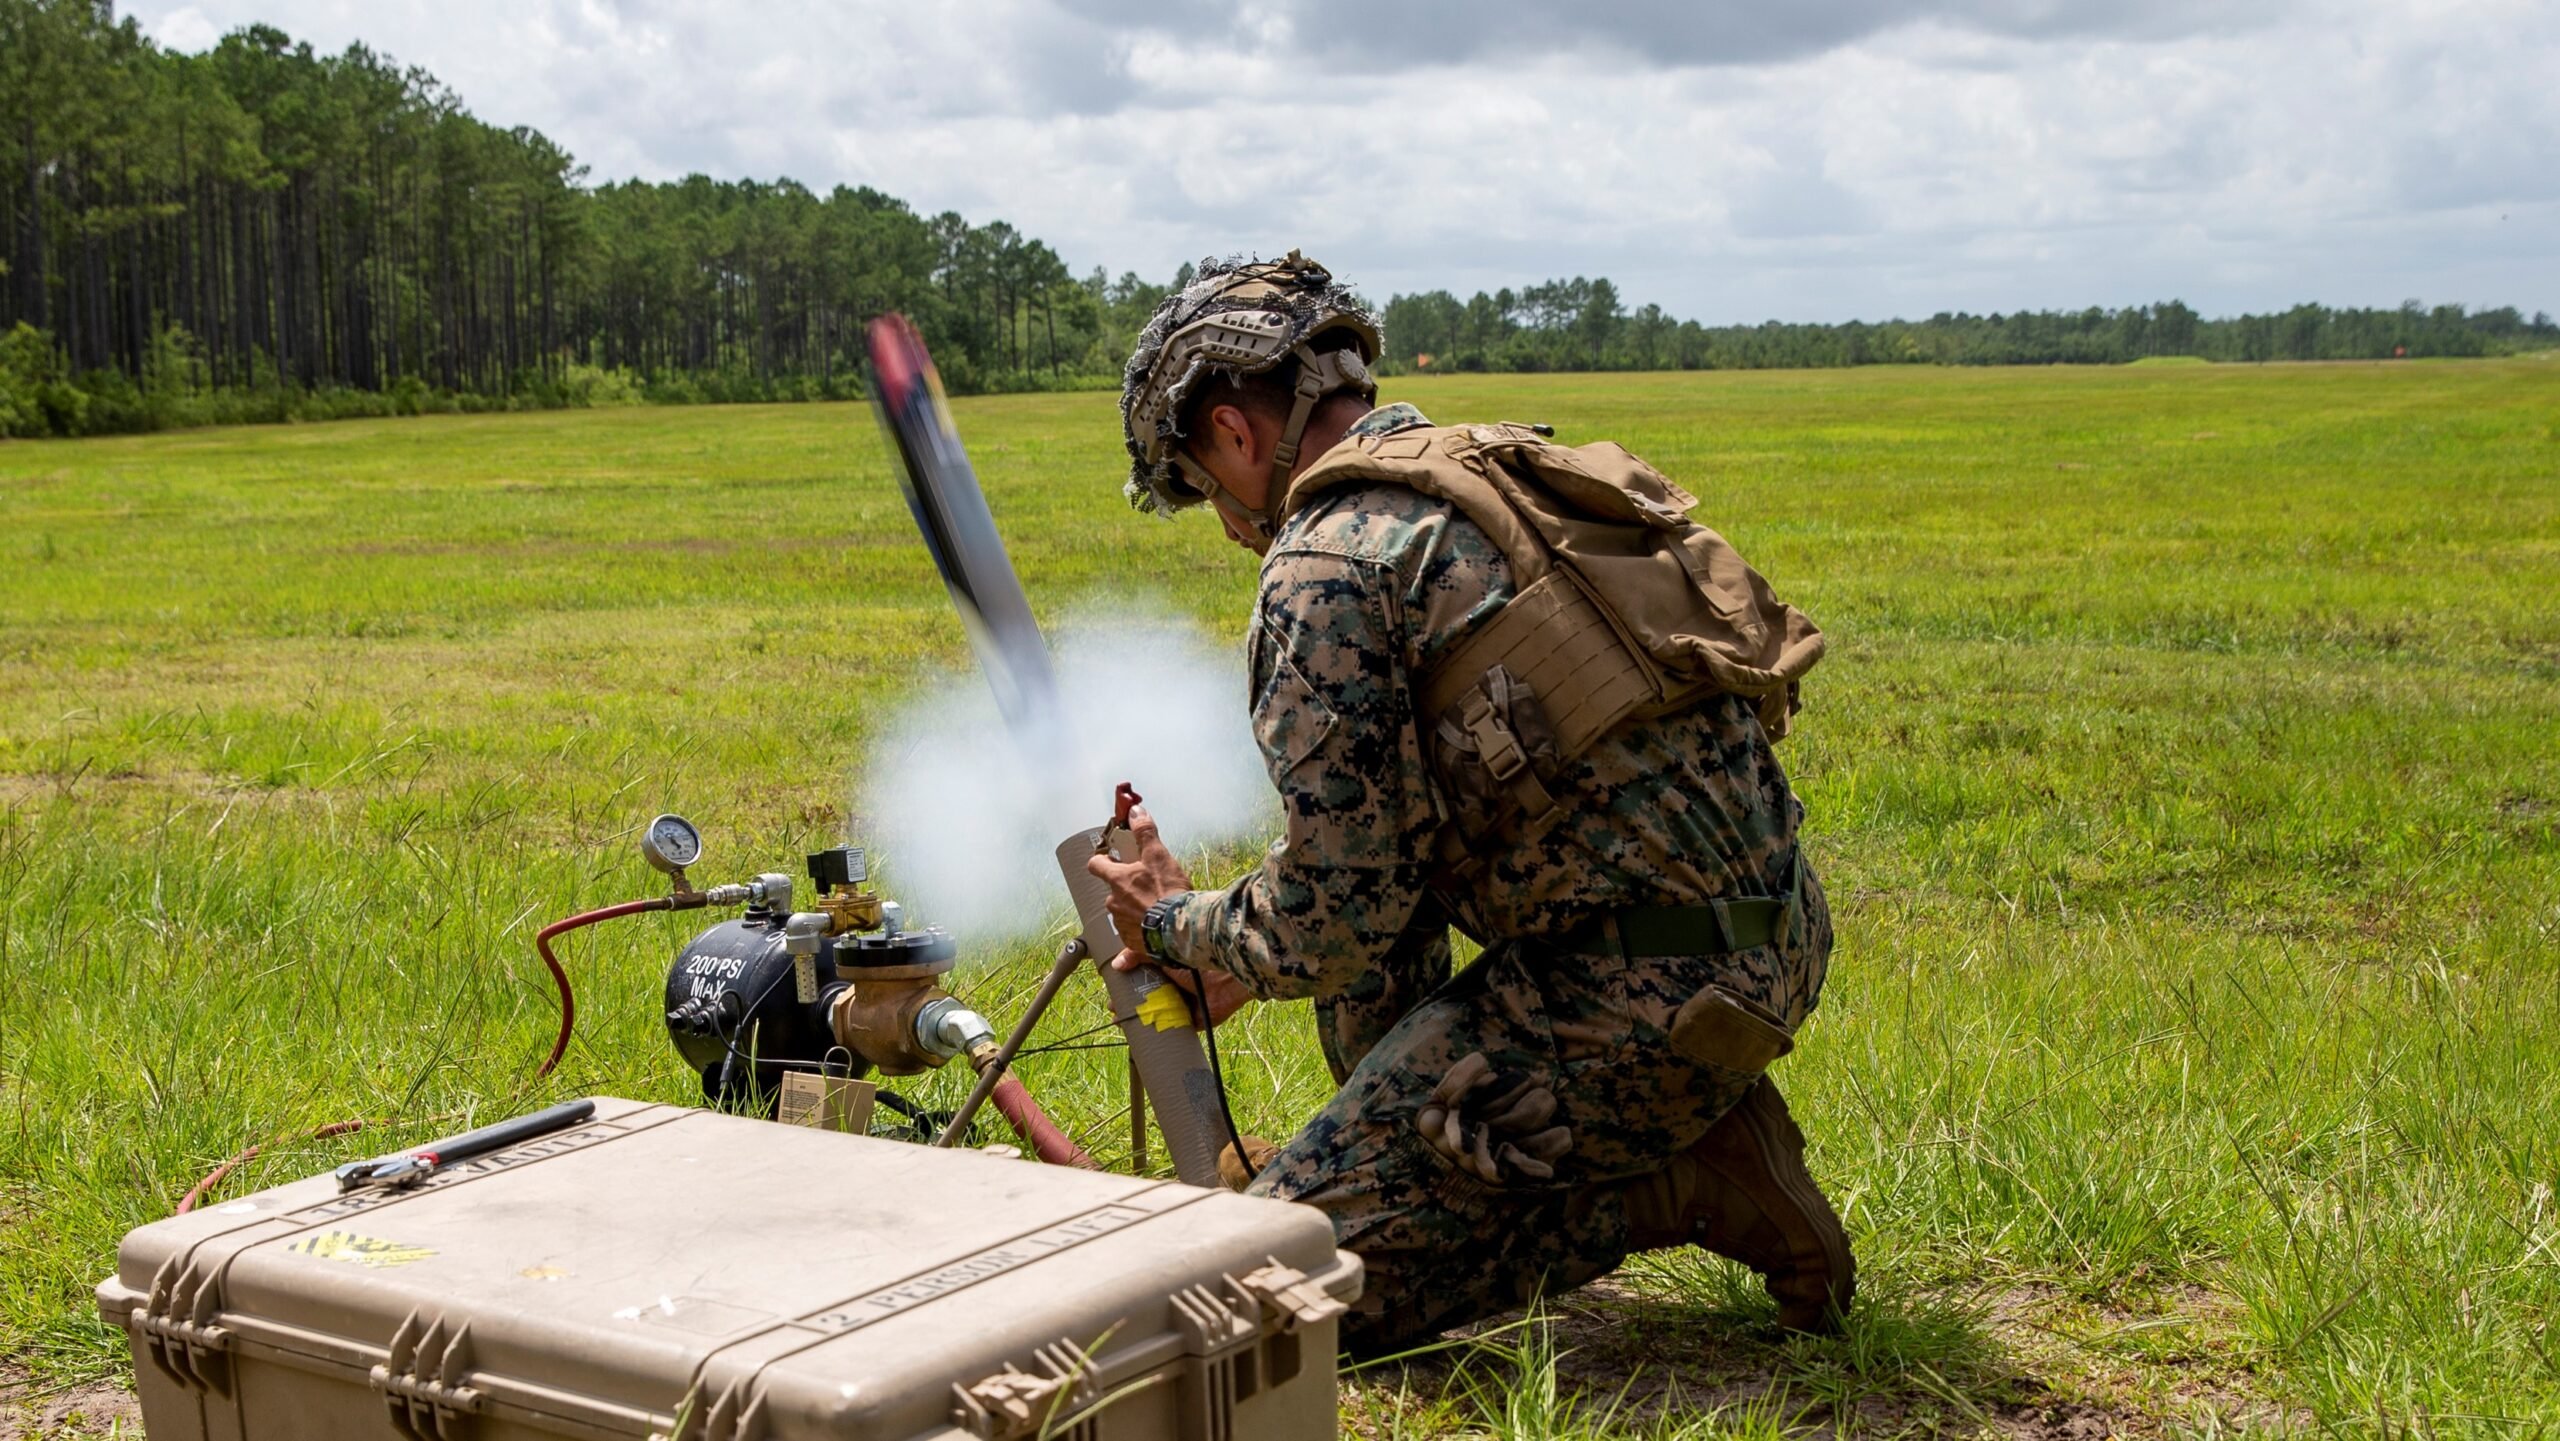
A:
(672, 1273)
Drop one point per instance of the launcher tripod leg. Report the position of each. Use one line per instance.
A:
(993, 1071)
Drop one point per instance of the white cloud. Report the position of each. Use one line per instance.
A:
(186, 28)
(1730, 161)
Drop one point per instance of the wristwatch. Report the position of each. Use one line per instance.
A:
(1151, 925)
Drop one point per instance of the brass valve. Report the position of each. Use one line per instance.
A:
(850, 909)
(876, 1020)
(849, 905)
(894, 1014)
(907, 1024)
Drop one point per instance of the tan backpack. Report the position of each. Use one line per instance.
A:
(1626, 607)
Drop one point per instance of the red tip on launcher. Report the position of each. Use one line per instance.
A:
(1121, 799)
(898, 357)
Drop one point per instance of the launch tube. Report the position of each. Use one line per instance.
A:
(1170, 1063)
(951, 513)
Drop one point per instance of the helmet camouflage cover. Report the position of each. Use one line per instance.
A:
(1236, 318)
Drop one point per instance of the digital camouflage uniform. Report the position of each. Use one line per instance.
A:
(1361, 592)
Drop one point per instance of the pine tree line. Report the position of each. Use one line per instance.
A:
(1581, 324)
(260, 232)
(302, 220)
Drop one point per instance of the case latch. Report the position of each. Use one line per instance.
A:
(1240, 1343)
(1221, 1363)
(1014, 1403)
(736, 1414)
(1293, 1298)
(423, 1382)
(176, 1329)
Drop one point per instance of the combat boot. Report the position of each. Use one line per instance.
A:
(1237, 1172)
(1742, 1191)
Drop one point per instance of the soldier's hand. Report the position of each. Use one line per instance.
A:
(1140, 882)
(1223, 994)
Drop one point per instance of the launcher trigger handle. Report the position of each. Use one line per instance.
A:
(1123, 796)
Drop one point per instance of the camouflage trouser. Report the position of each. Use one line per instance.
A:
(1444, 1246)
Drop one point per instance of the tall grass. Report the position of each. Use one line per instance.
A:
(2182, 771)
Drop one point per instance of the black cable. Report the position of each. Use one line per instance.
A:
(1087, 1046)
(1067, 1043)
(1198, 999)
(1097, 1028)
(921, 1122)
(895, 1102)
(917, 1114)
(729, 1042)
(900, 1104)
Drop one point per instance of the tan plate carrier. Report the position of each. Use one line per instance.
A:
(670, 1273)
(1625, 607)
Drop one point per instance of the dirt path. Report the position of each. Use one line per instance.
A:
(33, 1413)
(2024, 1362)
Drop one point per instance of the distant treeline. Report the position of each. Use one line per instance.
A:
(261, 232)
(1582, 325)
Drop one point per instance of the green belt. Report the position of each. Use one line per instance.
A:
(1713, 929)
(1709, 930)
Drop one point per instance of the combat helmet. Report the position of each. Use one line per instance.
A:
(1237, 318)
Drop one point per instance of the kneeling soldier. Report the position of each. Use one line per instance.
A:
(1509, 685)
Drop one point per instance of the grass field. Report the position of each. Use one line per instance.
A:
(2184, 771)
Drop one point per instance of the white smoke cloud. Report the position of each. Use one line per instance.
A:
(967, 823)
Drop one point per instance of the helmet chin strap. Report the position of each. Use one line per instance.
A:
(1254, 521)
(1318, 377)
(1256, 524)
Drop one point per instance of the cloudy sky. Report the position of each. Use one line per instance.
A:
(1793, 159)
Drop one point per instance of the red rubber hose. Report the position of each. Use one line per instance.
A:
(247, 1154)
(560, 977)
(1011, 1099)
(559, 1045)
(1034, 1126)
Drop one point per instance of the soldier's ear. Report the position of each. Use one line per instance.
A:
(1231, 435)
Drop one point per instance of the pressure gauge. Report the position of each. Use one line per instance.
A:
(671, 844)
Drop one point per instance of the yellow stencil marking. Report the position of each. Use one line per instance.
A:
(1165, 1009)
(368, 1251)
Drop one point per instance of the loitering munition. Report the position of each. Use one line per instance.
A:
(942, 492)
(951, 512)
